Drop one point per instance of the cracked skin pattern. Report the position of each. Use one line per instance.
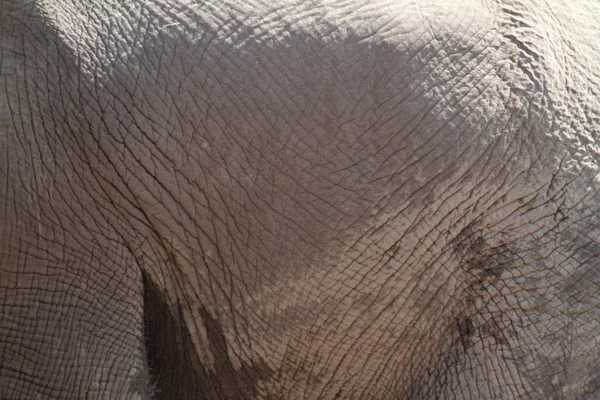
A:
(299, 200)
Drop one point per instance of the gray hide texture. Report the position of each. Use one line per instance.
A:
(238, 200)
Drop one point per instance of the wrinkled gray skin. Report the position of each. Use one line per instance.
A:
(312, 200)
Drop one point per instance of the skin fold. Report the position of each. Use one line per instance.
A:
(299, 199)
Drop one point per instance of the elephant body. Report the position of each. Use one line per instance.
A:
(299, 200)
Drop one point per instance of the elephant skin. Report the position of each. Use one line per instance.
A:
(299, 200)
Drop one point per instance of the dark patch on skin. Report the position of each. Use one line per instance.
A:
(493, 329)
(482, 261)
(176, 369)
(484, 267)
(471, 325)
(466, 330)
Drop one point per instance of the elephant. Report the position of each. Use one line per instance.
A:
(329, 199)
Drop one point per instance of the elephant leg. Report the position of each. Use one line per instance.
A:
(71, 298)
(71, 323)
